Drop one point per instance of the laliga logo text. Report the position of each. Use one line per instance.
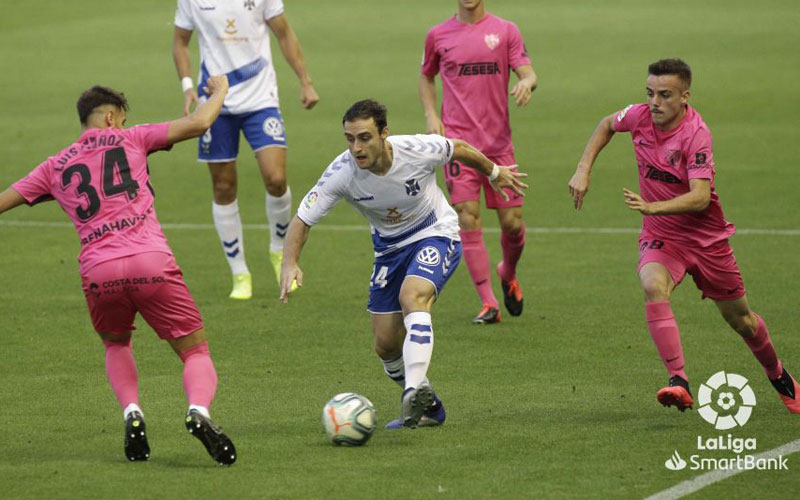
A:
(726, 401)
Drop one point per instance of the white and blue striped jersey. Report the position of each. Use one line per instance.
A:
(234, 40)
(402, 206)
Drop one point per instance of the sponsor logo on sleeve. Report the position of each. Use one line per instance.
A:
(700, 158)
(621, 114)
(311, 198)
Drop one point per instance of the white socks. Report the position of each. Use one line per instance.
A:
(202, 409)
(229, 230)
(130, 409)
(418, 347)
(279, 214)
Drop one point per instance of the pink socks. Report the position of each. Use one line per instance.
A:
(477, 259)
(512, 250)
(764, 351)
(666, 336)
(121, 372)
(199, 375)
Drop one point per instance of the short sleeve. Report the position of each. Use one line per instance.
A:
(699, 156)
(625, 119)
(272, 8)
(326, 193)
(183, 15)
(430, 58)
(35, 187)
(151, 137)
(517, 53)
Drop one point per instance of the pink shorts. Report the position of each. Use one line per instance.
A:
(464, 184)
(713, 268)
(149, 283)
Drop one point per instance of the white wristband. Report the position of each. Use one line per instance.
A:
(495, 173)
(186, 83)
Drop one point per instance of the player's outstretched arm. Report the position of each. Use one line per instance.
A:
(579, 184)
(296, 237)
(9, 199)
(201, 118)
(427, 95)
(696, 200)
(290, 47)
(500, 176)
(183, 64)
(525, 86)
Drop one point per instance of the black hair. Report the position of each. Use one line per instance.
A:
(677, 67)
(97, 96)
(363, 110)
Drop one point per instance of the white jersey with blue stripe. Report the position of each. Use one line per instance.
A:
(402, 206)
(234, 40)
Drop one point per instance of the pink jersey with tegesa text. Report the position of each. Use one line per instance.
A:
(667, 161)
(474, 63)
(102, 183)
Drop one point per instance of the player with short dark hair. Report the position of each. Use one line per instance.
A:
(391, 180)
(101, 181)
(683, 228)
(473, 53)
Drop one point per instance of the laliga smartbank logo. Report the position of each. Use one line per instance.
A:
(726, 401)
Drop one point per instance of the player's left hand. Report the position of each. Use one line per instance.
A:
(522, 93)
(308, 96)
(509, 177)
(635, 202)
(289, 274)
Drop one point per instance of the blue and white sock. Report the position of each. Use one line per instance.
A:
(417, 347)
(229, 230)
(279, 214)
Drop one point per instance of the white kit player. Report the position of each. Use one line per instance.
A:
(392, 182)
(234, 40)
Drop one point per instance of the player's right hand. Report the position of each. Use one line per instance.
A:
(289, 273)
(189, 101)
(434, 126)
(217, 84)
(579, 186)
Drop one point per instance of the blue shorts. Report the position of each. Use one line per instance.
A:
(262, 129)
(433, 259)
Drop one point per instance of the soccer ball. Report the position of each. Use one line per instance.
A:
(349, 418)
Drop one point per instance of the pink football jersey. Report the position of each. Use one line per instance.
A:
(102, 183)
(474, 63)
(667, 161)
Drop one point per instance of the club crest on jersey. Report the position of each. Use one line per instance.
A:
(412, 187)
(429, 256)
(249, 4)
(492, 40)
(273, 128)
(673, 156)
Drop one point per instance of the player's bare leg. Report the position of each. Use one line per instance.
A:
(753, 331)
(657, 285)
(272, 163)
(123, 377)
(477, 259)
(228, 223)
(200, 385)
(512, 240)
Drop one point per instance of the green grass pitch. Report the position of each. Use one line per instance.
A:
(557, 403)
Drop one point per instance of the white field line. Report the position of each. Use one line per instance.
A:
(358, 227)
(699, 482)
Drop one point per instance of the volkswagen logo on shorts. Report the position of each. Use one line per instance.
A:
(726, 400)
(207, 136)
(428, 256)
(273, 127)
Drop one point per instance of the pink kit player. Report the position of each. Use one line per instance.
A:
(472, 53)
(683, 228)
(101, 182)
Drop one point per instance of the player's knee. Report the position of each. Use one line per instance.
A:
(387, 348)
(414, 300)
(468, 219)
(743, 324)
(224, 191)
(275, 183)
(655, 289)
(512, 225)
